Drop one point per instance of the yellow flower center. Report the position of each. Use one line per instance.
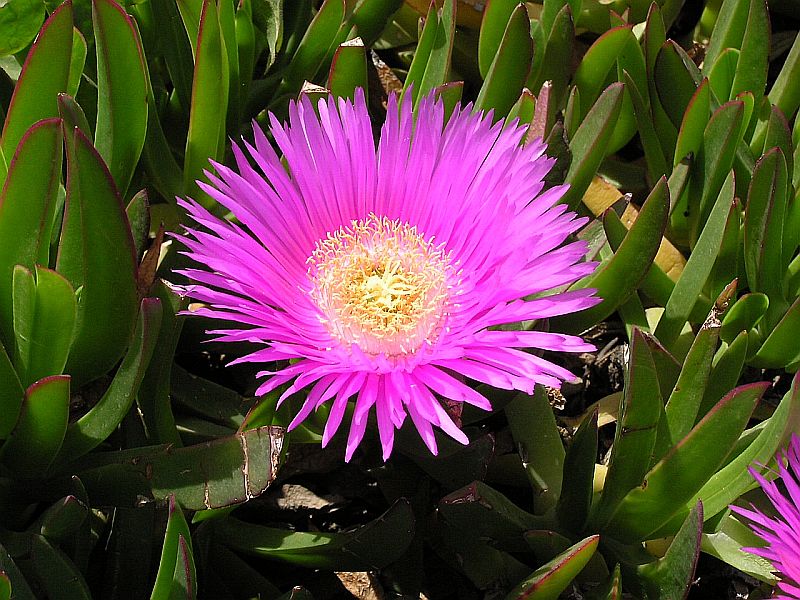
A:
(380, 285)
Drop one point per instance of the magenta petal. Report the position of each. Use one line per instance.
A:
(376, 270)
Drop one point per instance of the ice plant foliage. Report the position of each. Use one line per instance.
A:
(380, 273)
(781, 532)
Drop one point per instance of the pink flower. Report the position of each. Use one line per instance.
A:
(781, 532)
(381, 273)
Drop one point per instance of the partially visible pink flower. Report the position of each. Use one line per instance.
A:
(781, 532)
(381, 273)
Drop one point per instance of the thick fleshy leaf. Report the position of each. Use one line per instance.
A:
(714, 161)
(617, 279)
(11, 394)
(488, 514)
(493, 25)
(19, 22)
(223, 472)
(27, 204)
(38, 434)
(77, 62)
(371, 17)
(690, 135)
(727, 368)
(538, 441)
(319, 40)
(61, 520)
(368, 547)
(722, 74)
(557, 52)
(57, 573)
(763, 230)
(176, 576)
(597, 62)
(102, 419)
(348, 69)
(671, 576)
(72, 114)
(44, 75)
(654, 155)
(588, 144)
(431, 62)
(20, 587)
(549, 580)
(780, 348)
(45, 310)
(122, 84)
(177, 48)
(697, 269)
(744, 315)
(206, 137)
(509, 69)
(576, 491)
(676, 79)
(727, 542)
(684, 401)
(105, 272)
(635, 437)
(675, 479)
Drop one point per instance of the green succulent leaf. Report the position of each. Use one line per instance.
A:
(727, 367)
(19, 22)
(223, 472)
(44, 75)
(509, 69)
(73, 116)
(56, 572)
(206, 137)
(45, 311)
(695, 119)
(37, 437)
(176, 577)
(639, 414)
(671, 576)
(727, 543)
(348, 69)
(11, 395)
(780, 347)
(105, 273)
(676, 80)
(368, 547)
(178, 49)
(122, 89)
(496, 17)
(549, 580)
(27, 204)
(77, 62)
(17, 580)
(617, 280)
(683, 471)
(576, 491)
(538, 441)
(91, 429)
(431, 63)
(597, 62)
(588, 143)
(744, 315)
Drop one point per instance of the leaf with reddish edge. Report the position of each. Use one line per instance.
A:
(44, 75)
(44, 322)
(733, 480)
(450, 95)
(676, 79)
(176, 576)
(348, 69)
(495, 19)
(39, 431)
(619, 278)
(576, 491)
(103, 418)
(72, 114)
(635, 437)
(588, 143)
(27, 204)
(686, 468)
(694, 122)
(597, 62)
(780, 348)
(96, 253)
(510, 67)
(122, 88)
(549, 580)
(206, 137)
(670, 577)
(698, 268)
